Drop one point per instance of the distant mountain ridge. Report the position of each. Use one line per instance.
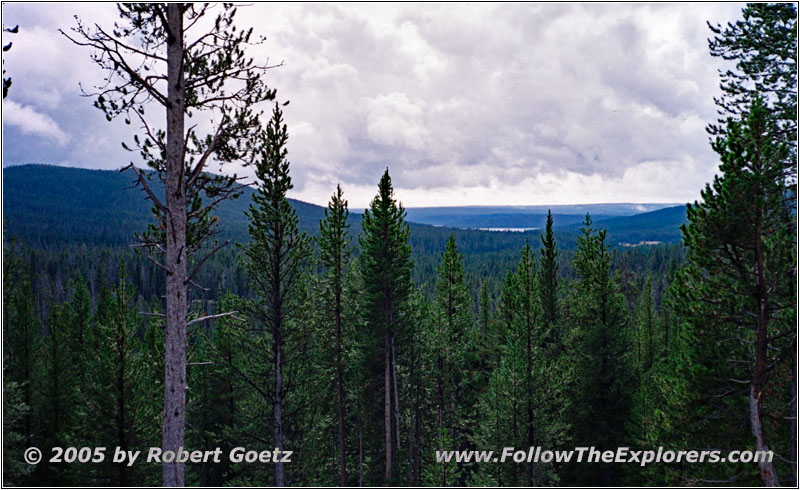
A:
(51, 205)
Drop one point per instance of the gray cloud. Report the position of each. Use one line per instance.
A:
(467, 104)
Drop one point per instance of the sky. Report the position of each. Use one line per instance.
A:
(466, 104)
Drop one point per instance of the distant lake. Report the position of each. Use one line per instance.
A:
(520, 230)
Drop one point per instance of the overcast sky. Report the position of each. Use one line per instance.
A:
(484, 104)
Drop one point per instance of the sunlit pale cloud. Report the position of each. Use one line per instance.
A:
(30, 122)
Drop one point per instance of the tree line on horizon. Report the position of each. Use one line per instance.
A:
(340, 357)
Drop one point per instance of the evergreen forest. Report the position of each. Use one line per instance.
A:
(204, 313)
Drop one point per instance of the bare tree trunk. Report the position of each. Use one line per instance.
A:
(174, 417)
(395, 399)
(767, 470)
(768, 476)
(277, 352)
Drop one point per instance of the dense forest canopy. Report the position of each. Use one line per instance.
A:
(364, 342)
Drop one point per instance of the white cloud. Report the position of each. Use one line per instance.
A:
(466, 103)
(393, 120)
(31, 122)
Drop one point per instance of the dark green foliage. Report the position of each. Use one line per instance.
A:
(335, 250)
(21, 359)
(547, 285)
(737, 289)
(453, 343)
(764, 46)
(600, 344)
(119, 387)
(385, 264)
(218, 396)
(277, 256)
(368, 358)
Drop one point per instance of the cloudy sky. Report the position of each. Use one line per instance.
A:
(466, 104)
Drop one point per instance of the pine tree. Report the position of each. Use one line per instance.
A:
(335, 251)
(453, 345)
(276, 263)
(764, 46)
(15, 410)
(221, 394)
(547, 285)
(15, 470)
(649, 338)
(601, 347)
(526, 337)
(23, 345)
(152, 56)
(59, 390)
(386, 269)
(738, 288)
(119, 398)
(548, 274)
(484, 308)
(420, 413)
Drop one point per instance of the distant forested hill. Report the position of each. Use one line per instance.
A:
(50, 206)
(662, 225)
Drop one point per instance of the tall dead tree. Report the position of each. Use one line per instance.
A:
(190, 64)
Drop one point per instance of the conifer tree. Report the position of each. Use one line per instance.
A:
(386, 269)
(764, 46)
(59, 390)
(487, 338)
(548, 274)
(335, 250)
(152, 56)
(738, 287)
(547, 285)
(119, 398)
(277, 256)
(217, 412)
(484, 308)
(15, 410)
(649, 341)
(453, 344)
(601, 348)
(23, 346)
(419, 390)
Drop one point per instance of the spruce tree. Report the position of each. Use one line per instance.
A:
(600, 346)
(454, 347)
(386, 269)
(547, 285)
(548, 274)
